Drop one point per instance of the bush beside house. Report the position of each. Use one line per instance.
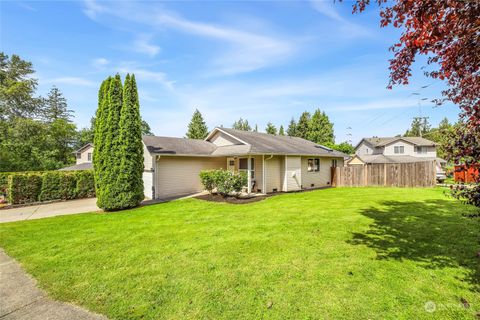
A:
(224, 182)
(23, 188)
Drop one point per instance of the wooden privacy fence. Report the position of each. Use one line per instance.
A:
(414, 174)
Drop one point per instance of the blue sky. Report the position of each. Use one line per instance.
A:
(263, 61)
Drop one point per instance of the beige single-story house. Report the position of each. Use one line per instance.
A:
(273, 163)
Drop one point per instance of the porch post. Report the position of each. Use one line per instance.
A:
(264, 187)
(249, 175)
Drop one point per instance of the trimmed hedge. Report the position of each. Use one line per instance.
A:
(25, 188)
(85, 184)
(58, 185)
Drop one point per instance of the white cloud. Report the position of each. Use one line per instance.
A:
(76, 81)
(148, 75)
(245, 51)
(100, 63)
(143, 45)
(329, 9)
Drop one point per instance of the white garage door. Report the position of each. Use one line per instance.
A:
(179, 175)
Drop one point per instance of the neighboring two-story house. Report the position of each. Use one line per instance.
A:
(84, 157)
(395, 150)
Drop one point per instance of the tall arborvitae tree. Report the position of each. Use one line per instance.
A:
(320, 129)
(292, 128)
(270, 129)
(129, 183)
(281, 131)
(110, 148)
(303, 125)
(100, 137)
(197, 128)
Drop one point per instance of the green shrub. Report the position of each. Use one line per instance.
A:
(85, 184)
(207, 178)
(24, 188)
(4, 182)
(54, 185)
(224, 181)
(58, 185)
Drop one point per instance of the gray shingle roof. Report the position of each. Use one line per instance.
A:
(81, 166)
(263, 143)
(380, 158)
(180, 146)
(380, 142)
(256, 143)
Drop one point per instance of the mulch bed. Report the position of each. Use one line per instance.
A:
(219, 198)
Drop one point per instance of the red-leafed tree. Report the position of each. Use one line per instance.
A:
(448, 33)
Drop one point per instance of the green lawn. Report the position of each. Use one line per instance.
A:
(365, 253)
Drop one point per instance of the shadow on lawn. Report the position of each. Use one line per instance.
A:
(427, 232)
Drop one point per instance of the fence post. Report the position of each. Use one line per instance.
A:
(385, 174)
(365, 175)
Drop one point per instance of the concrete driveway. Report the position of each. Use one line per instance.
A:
(48, 210)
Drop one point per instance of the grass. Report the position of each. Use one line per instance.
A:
(365, 253)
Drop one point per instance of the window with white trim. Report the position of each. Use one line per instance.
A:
(89, 156)
(334, 163)
(399, 149)
(313, 165)
(243, 166)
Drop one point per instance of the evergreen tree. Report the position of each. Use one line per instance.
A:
(281, 131)
(303, 125)
(320, 129)
(270, 129)
(56, 106)
(100, 153)
(419, 127)
(256, 128)
(241, 125)
(113, 144)
(197, 128)
(146, 131)
(129, 182)
(292, 128)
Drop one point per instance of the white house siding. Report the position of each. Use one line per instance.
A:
(293, 173)
(273, 172)
(177, 176)
(148, 173)
(84, 155)
(321, 178)
(409, 150)
(363, 148)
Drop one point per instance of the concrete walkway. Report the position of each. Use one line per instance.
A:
(20, 298)
(48, 210)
